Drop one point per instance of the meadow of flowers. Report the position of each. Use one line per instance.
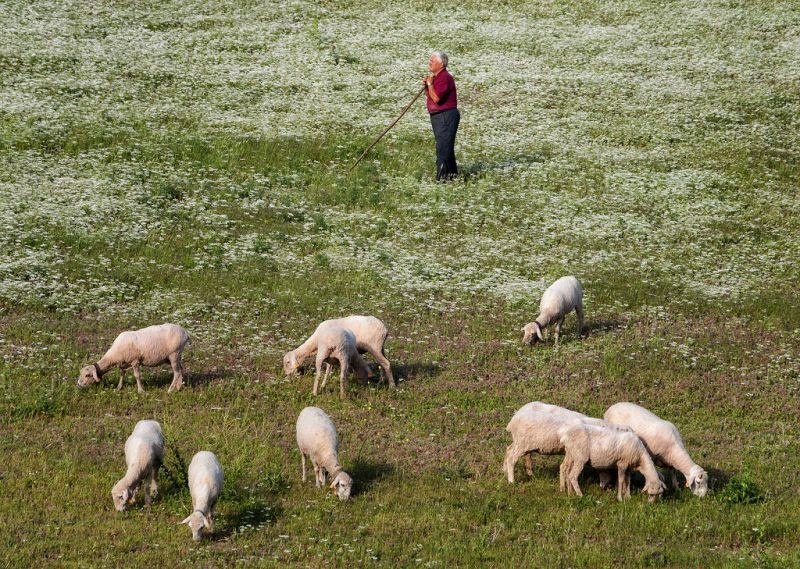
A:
(188, 162)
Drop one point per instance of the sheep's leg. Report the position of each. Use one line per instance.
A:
(383, 361)
(563, 470)
(623, 483)
(177, 373)
(121, 378)
(559, 322)
(674, 478)
(579, 314)
(572, 478)
(529, 463)
(513, 454)
(303, 465)
(153, 483)
(317, 473)
(320, 361)
(328, 368)
(147, 486)
(345, 369)
(137, 373)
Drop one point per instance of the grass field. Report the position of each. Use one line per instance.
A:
(187, 162)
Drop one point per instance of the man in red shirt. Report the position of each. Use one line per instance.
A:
(442, 106)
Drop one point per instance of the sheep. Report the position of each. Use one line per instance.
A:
(144, 452)
(370, 335)
(537, 427)
(316, 438)
(664, 443)
(205, 486)
(151, 346)
(337, 343)
(560, 298)
(605, 447)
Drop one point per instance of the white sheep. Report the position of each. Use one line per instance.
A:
(370, 333)
(316, 438)
(151, 346)
(334, 343)
(560, 298)
(144, 452)
(538, 427)
(205, 486)
(606, 448)
(663, 441)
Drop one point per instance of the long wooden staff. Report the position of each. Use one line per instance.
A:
(408, 106)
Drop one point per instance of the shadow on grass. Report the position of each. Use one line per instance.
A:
(365, 473)
(248, 515)
(154, 379)
(597, 326)
(480, 168)
(717, 479)
(416, 370)
(173, 476)
(252, 506)
(204, 378)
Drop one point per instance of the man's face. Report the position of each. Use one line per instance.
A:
(434, 65)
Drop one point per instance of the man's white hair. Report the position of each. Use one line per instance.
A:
(441, 56)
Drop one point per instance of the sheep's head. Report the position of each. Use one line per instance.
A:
(88, 376)
(698, 481)
(532, 332)
(342, 485)
(197, 521)
(290, 363)
(122, 497)
(654, 489)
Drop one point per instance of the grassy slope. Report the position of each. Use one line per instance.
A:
(141, 182)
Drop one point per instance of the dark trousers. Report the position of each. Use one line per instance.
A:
(445, 125)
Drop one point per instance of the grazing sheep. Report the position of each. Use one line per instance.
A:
(334, 343)
(537, 427)
(144, 452)
(370, 335)
(536, 432)
(316, 438)
(607, 448)
(151, 346)
(560, 298)
(663, 441)
(205, 486)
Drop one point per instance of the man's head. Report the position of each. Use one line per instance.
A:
(437, 62)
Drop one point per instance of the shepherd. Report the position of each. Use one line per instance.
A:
(440, 89)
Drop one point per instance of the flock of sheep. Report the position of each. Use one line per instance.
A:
(628, 438)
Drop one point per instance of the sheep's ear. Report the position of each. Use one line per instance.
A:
(539, 332)
(689, 482)
(126, 495)
(186, 521)
(205, 521)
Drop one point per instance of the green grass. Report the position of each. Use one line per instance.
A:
(190, 164)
